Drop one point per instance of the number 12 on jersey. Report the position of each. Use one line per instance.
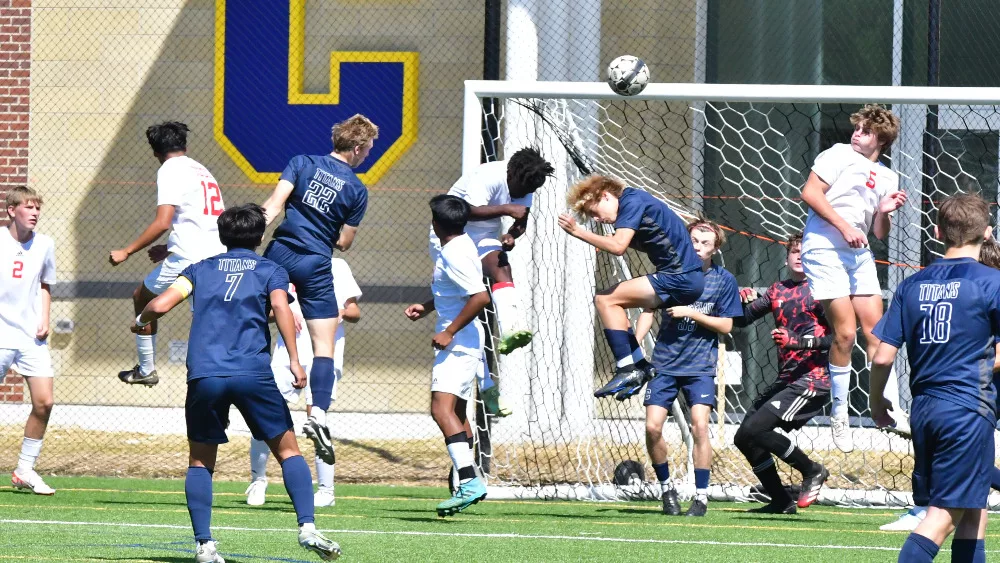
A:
(213, 198)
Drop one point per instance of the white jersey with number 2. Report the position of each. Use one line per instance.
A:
(24, 267)
(188, 186)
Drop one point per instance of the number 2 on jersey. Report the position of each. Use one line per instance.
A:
(234, 281)
(18, 268)
(936, 326)
(213, 196)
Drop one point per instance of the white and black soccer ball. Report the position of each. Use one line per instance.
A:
(628, 75)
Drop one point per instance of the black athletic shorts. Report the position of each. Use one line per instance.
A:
(793, 404)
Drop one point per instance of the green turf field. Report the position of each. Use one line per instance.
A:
(106, 519)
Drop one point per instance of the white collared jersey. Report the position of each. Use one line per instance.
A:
(857, 185)
(188, 186)
(24, 267)
(486, 185)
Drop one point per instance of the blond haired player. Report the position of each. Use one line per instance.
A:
(27, 269)
(188, 204)
(849, 193)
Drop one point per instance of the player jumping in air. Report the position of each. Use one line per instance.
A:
(648, 225)
(495, 190)
(189, 202)
(28, 265)
(948, 316)
(849, 193)
(229, 364)
(686, 356)
(800, 392)
(348, 293)
(324, 202)
(459, 297)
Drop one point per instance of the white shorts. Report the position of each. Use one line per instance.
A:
(840, 272)
(455, 373)
(484, 245)
(284, 378)
(165, 273)
(32, 360)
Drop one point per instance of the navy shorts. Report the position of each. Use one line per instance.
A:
(312, 276)
(677, 289)
(663, 389)
(256, 397)
(953, 454)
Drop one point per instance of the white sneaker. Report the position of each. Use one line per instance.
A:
(324, 497)
(207, 553)
(842, 437)
(907, 522)
(315, 542)
(255, 492)
(32, 481)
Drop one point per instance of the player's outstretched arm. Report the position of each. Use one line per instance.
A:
(275, 203)
(286, 327)
(160, 225)
(515, 211)
(885, 356)
(883, 220)
(163, 303)
(346, 238)
(721, 325)
(754, 306)
(45, 300)
(469, 312)
(616, 244)
(814, 194)
(419, 310)
(793, 341)
(351, 311)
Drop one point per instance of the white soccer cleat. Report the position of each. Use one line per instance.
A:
(902, 425)
(207, 553)
(324, 497)
(255, 492)
(317, 543)
(907, 522)
(842, 437)
(31, 481)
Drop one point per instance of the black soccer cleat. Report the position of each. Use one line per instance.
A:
(697, 508)
(780, 507)
(320, 435)
(671, 506)
(134, 377)
(625, 377)
(811, 486)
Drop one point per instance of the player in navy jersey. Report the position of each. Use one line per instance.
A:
(324, 202)
(948, 316)
(802, 389)
(229, 364)
(686, 357)
(648, 225)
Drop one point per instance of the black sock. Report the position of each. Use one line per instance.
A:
(769, 478)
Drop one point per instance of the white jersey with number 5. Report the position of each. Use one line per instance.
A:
(188, 186)
(24, 267)
(857, 185)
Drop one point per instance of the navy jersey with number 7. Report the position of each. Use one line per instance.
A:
(231, 300)
(948, 316)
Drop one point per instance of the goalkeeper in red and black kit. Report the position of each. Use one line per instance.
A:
(801, 390)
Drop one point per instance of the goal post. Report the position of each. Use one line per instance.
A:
(739, 154)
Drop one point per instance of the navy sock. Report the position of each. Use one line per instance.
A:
(298, 483)
(968, 551)
(701, 478)
(198, 491)
(618, 340)
(918, 549)
(995, 479)
(321, 377)
(662, 471)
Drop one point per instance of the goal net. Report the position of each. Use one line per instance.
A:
(739, 154)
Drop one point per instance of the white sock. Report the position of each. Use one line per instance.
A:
(667, 485)
(146, 347)
(30, 448)
(461, 455)
(840, 387)
(626, 361)
(702, 495)
(505, 302)
(307, 527)
(318, 415)
(259, 453)
(324, 474)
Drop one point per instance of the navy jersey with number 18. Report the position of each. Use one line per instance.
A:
(948, 316)
(231, 301)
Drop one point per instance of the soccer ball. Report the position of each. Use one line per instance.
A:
(628, 75)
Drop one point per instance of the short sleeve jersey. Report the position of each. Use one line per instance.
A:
(857, 185)
(659, 232)
(230, 302)
(458, 274)
(24, 267)
(684, 347)
(193, 192)
(948, 316)
(345, 287)
(327, 195)
(486, 186)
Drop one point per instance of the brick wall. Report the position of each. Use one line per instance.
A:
(15, 80)
(12, 389)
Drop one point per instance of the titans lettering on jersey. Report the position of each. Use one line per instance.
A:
(231, 301)
(685, 348)
(659, 232)
(948, 316)
(327, 195)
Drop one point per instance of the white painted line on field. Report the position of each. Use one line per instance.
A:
(468, 535)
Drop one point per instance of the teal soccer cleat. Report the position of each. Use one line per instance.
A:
(467, 494)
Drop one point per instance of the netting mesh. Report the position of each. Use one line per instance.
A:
(743, 166)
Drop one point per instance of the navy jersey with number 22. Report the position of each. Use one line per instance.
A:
(231, 301)
(327, 196)
(948, 315)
